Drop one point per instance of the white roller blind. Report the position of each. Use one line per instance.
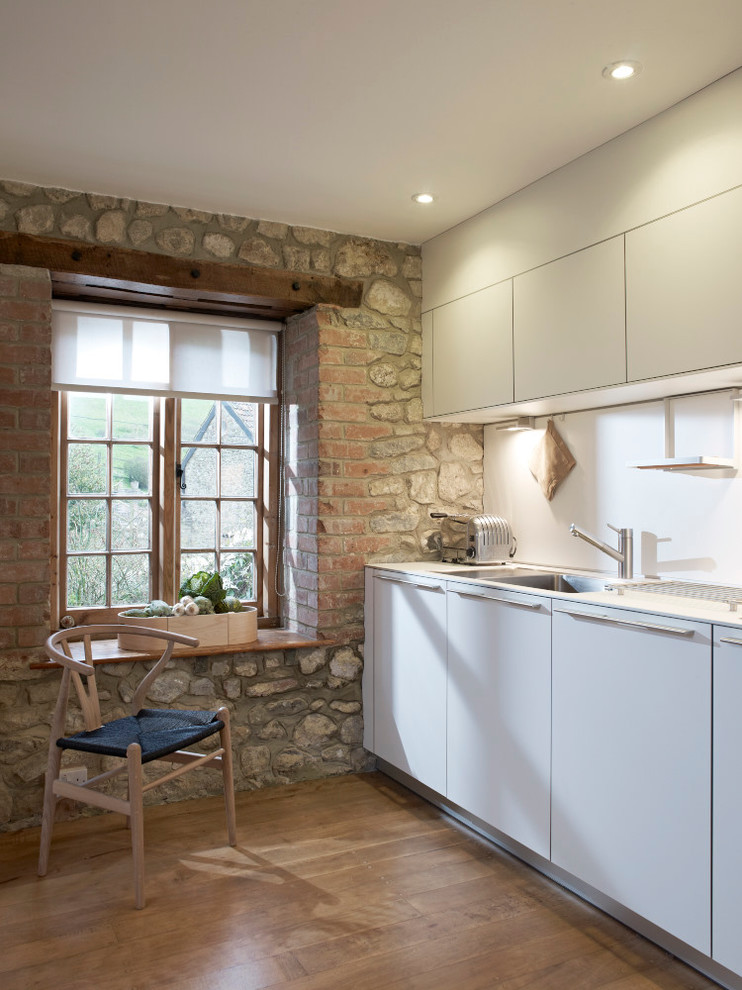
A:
(162, 352)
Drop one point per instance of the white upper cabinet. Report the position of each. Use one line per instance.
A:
(470, 350)
(682, 156)
(570, 323)
(684, 290)
(427, 370)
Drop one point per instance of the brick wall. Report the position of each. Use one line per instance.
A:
(25, 460)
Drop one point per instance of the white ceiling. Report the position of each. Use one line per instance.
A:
(332, 113)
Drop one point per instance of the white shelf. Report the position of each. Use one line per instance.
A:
(687, 463)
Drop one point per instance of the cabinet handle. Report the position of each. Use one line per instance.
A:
(504, 601)
(652, 626)
(423, 587)
(729, 639)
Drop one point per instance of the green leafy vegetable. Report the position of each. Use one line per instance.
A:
(207, 584)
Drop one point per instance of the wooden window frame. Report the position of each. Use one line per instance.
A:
(165, 539)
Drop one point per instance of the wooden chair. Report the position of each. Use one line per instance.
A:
(145, 735)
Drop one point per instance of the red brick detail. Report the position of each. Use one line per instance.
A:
(25, 462)
(362, 469)
(343, 375)
(368, 431)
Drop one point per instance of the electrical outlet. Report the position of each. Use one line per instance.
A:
(74, 775)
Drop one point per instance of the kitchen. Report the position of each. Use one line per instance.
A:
(604, 766)
(467, 470)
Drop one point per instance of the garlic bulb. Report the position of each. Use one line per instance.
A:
(186, 600)
(178, 609)
(191, 608)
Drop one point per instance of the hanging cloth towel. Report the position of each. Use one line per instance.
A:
(551, 461)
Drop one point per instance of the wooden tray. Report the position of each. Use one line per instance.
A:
(230, 629)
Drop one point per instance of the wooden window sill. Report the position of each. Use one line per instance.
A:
(108, 650)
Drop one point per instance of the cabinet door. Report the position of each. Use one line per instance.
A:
(499, 711)
(472, 352)
(727, 882)
(631, 762)
(683, 290)
(409, 637)
(569, 323)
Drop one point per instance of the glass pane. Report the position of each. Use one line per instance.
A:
(86, 524)
(130, 579)
(239, 422)
(197, 420)
(238, 472)
(132, 417)
(131, 469)
(86, 468)
(200, 471)
(237, 571)
(190, 563)
(238, 524)
(130, 524)
(86, 416)
(197, 524)
(86, 581)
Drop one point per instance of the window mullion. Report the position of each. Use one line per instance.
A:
(61, 568)
(109, 501)
(168, 531)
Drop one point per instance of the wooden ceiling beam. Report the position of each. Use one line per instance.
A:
(260, 291)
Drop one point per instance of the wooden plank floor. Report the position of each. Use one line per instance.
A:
(351, 882)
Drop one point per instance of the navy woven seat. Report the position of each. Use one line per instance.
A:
(158, 731)
(146, 735)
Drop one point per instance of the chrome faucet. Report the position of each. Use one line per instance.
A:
(625, 553)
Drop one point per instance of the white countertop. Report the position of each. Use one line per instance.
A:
(654, 602)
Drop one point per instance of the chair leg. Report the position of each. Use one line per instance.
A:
(225, 737)
(136, 819)
(50, 806)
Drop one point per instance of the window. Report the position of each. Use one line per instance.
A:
(153, 487)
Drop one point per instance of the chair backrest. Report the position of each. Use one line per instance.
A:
(58, 649)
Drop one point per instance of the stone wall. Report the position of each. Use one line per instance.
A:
(296, 714)
(363, 473)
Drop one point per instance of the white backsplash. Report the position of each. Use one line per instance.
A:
(687, 524)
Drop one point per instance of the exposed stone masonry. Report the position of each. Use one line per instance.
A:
(296, 714)
(364, 472)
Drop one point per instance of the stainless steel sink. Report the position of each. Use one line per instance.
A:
(571, 584)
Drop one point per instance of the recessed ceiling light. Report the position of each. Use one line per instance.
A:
(423, 198)
(622, 70)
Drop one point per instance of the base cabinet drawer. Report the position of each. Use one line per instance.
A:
(727, 875)
(409, 631)
(631, 763)
(499, 712)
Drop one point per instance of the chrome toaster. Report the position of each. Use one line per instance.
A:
(476, 539)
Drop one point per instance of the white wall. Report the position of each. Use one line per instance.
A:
(687, 524)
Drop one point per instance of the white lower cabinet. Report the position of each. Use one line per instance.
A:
(409, 682)
(582, 732)
(631, 762)
(727, 876)
(499, 710)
